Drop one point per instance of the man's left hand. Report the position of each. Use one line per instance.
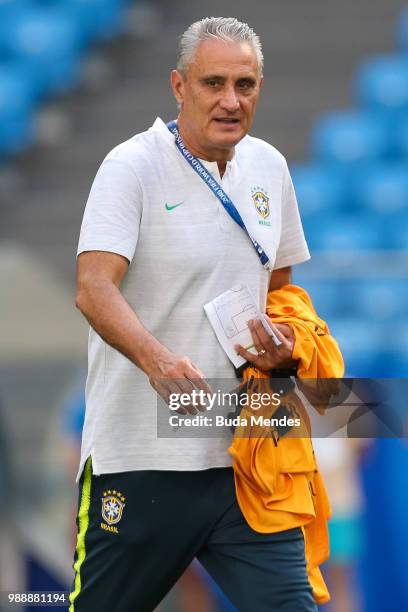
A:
(269, 355)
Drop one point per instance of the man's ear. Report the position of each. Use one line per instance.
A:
(177, 85)
(261, 82)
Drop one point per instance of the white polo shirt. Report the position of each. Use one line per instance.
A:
(148, 204)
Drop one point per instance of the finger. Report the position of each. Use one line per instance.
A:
(161, 390)
(267, 340)
(261, 339)
(165, 391)
(268, 328)
(204, 389)
(185, 385)
(174, 390)
(286, 341)
(194, 374)
(185, 388)
(269, 352)
(181, 393)
(285, 329)
(247, 355)
(191, 409)
(200, 402)
(256, 343)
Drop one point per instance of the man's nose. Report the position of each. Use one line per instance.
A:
(229, 100)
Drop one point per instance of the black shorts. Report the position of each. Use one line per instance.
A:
(138, 531)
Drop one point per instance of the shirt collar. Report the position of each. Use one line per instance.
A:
(212, 166)
(161, 127)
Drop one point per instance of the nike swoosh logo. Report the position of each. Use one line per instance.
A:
(171, 206)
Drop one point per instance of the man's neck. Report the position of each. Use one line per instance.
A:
(221, 168)
(221, 156)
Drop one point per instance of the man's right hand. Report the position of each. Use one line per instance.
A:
(170, 373)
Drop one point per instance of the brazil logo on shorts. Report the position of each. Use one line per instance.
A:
(112, 506)
(261, 202)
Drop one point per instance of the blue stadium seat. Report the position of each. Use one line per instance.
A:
(381, 83)
(331, 298)
(401, 138)
(319, 188)
(382, 189)
(389, 363)
(98, 19)
(378, 300)
(382, 300)
(17, 135)
(399, 236)
(370, 350)
(360, 342)
(9, 9)
(17, 103)
(48, 41)
(343, 234)
(334, 298)
(351, 138)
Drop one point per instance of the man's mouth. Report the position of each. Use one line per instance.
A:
(226, 120)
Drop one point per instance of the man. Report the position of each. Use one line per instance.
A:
(155, 246)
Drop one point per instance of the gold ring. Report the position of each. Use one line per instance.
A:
(261, 352)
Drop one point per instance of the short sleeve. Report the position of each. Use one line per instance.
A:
(113, 210)
(292, 244)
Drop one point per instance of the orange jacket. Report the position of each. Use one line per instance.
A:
(277, 481)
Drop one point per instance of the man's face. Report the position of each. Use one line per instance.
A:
(218, 95)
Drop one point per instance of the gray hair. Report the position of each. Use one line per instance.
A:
(224, 28)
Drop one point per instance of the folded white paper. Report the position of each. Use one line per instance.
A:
(229, 314)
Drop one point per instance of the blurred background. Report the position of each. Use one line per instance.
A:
(79, 76)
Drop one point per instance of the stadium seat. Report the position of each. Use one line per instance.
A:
(370, 350)
(401, 138)
(98, 19)
(344, 235)
(360, 342)
(17, 102)
(351, 138)
(399, 237)
(319, 188)
(379, 300)
(331, 298)
(17, 91)
(45, 40)
(382, 300)
(389, 364)
(382, 189)
(48, 42)
(381, 83)
(9, 9)
(17, 135)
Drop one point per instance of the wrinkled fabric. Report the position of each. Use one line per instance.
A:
(277, 480)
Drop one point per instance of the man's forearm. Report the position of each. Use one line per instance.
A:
(110, 315)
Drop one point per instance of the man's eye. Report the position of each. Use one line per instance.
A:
(212, 83)
(246, 85)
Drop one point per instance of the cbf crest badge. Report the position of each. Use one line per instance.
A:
(113, 503)
(261, 201)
